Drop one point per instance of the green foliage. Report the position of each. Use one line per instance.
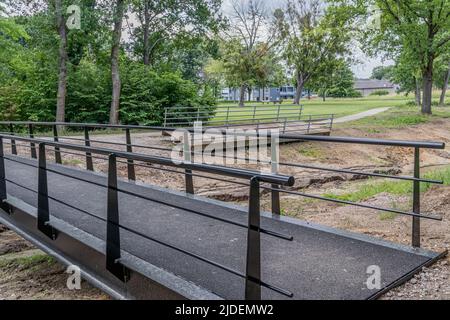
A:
(145, 95)
(29, 74)
(415, 33)
(382, 72)
(369, 190)
(340, 92)
(335, 79)
(312, 36)
(380, 93)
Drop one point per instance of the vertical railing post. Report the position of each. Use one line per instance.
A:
(284, 125)
(309, 124)
(165, 117)
(278, 112)
(3, 190)
(113, 254)
(187, 152)
(13, 142)
(300, 113)
(275, 159)
(130, 162)
(253, 262)
(254, 114)
(58, 159)
(416, 200)
(228, 116)
(43, 209)
(87, 143)
(32, 144)
(331, 123)
(3, 193)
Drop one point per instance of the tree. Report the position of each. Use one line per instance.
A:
(407, 75)
(62, 78)
(310, 36)
(335, 79)
(163, 20)
(419, 27)
(214, 75)
(119, 11)
(442, 72)
(247, 46)
(444, 87)
(382, 72)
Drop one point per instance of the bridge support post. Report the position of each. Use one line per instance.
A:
(32, 145)
(309, 125)
(113, 255)
(187, 157)
(3, 193)
(130, 163)
(58, 159)
(331, 123)
(416, 200)
(253, 262)
(275, 159)
(13, 142)
(87, 143)
(43, 211)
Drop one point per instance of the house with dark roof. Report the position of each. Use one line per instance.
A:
(367, 86)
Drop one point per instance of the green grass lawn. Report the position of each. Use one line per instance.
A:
(395, 187)
(396, 118)
(338, 107)
(315, 107)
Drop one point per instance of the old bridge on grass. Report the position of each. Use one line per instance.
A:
(136, 240)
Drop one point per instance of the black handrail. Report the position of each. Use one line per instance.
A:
(336, 139)
(253, 272)
(226, 171)
(416, 145)
(113, 248)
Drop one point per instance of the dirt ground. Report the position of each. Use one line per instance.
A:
(431, 283)
(27, 273)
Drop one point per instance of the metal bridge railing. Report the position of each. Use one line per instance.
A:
(252, 275)
(226, 115)
(277, 166)
(284, 117)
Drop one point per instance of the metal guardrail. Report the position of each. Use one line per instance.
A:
(226, 115)
(286, 118)
(113, 254)
(276, 165)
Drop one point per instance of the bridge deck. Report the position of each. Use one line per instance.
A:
(320, 263)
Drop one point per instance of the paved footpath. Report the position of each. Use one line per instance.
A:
(360, 115)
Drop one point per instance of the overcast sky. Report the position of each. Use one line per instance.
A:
(361, 70)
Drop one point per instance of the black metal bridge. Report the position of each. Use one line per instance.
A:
(136, 240)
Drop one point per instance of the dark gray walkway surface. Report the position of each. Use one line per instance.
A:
(320, 263)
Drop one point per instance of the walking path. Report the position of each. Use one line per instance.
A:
(360, 115)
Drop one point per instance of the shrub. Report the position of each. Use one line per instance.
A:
(380, 93)
(344, 93)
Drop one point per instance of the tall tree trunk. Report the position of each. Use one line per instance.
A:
(62, 77)
(242, 95)
(300, 85)
(444, 88)
(146, 28)
(249, 89)
(418, 92)
(428, 87)
(115, 52)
